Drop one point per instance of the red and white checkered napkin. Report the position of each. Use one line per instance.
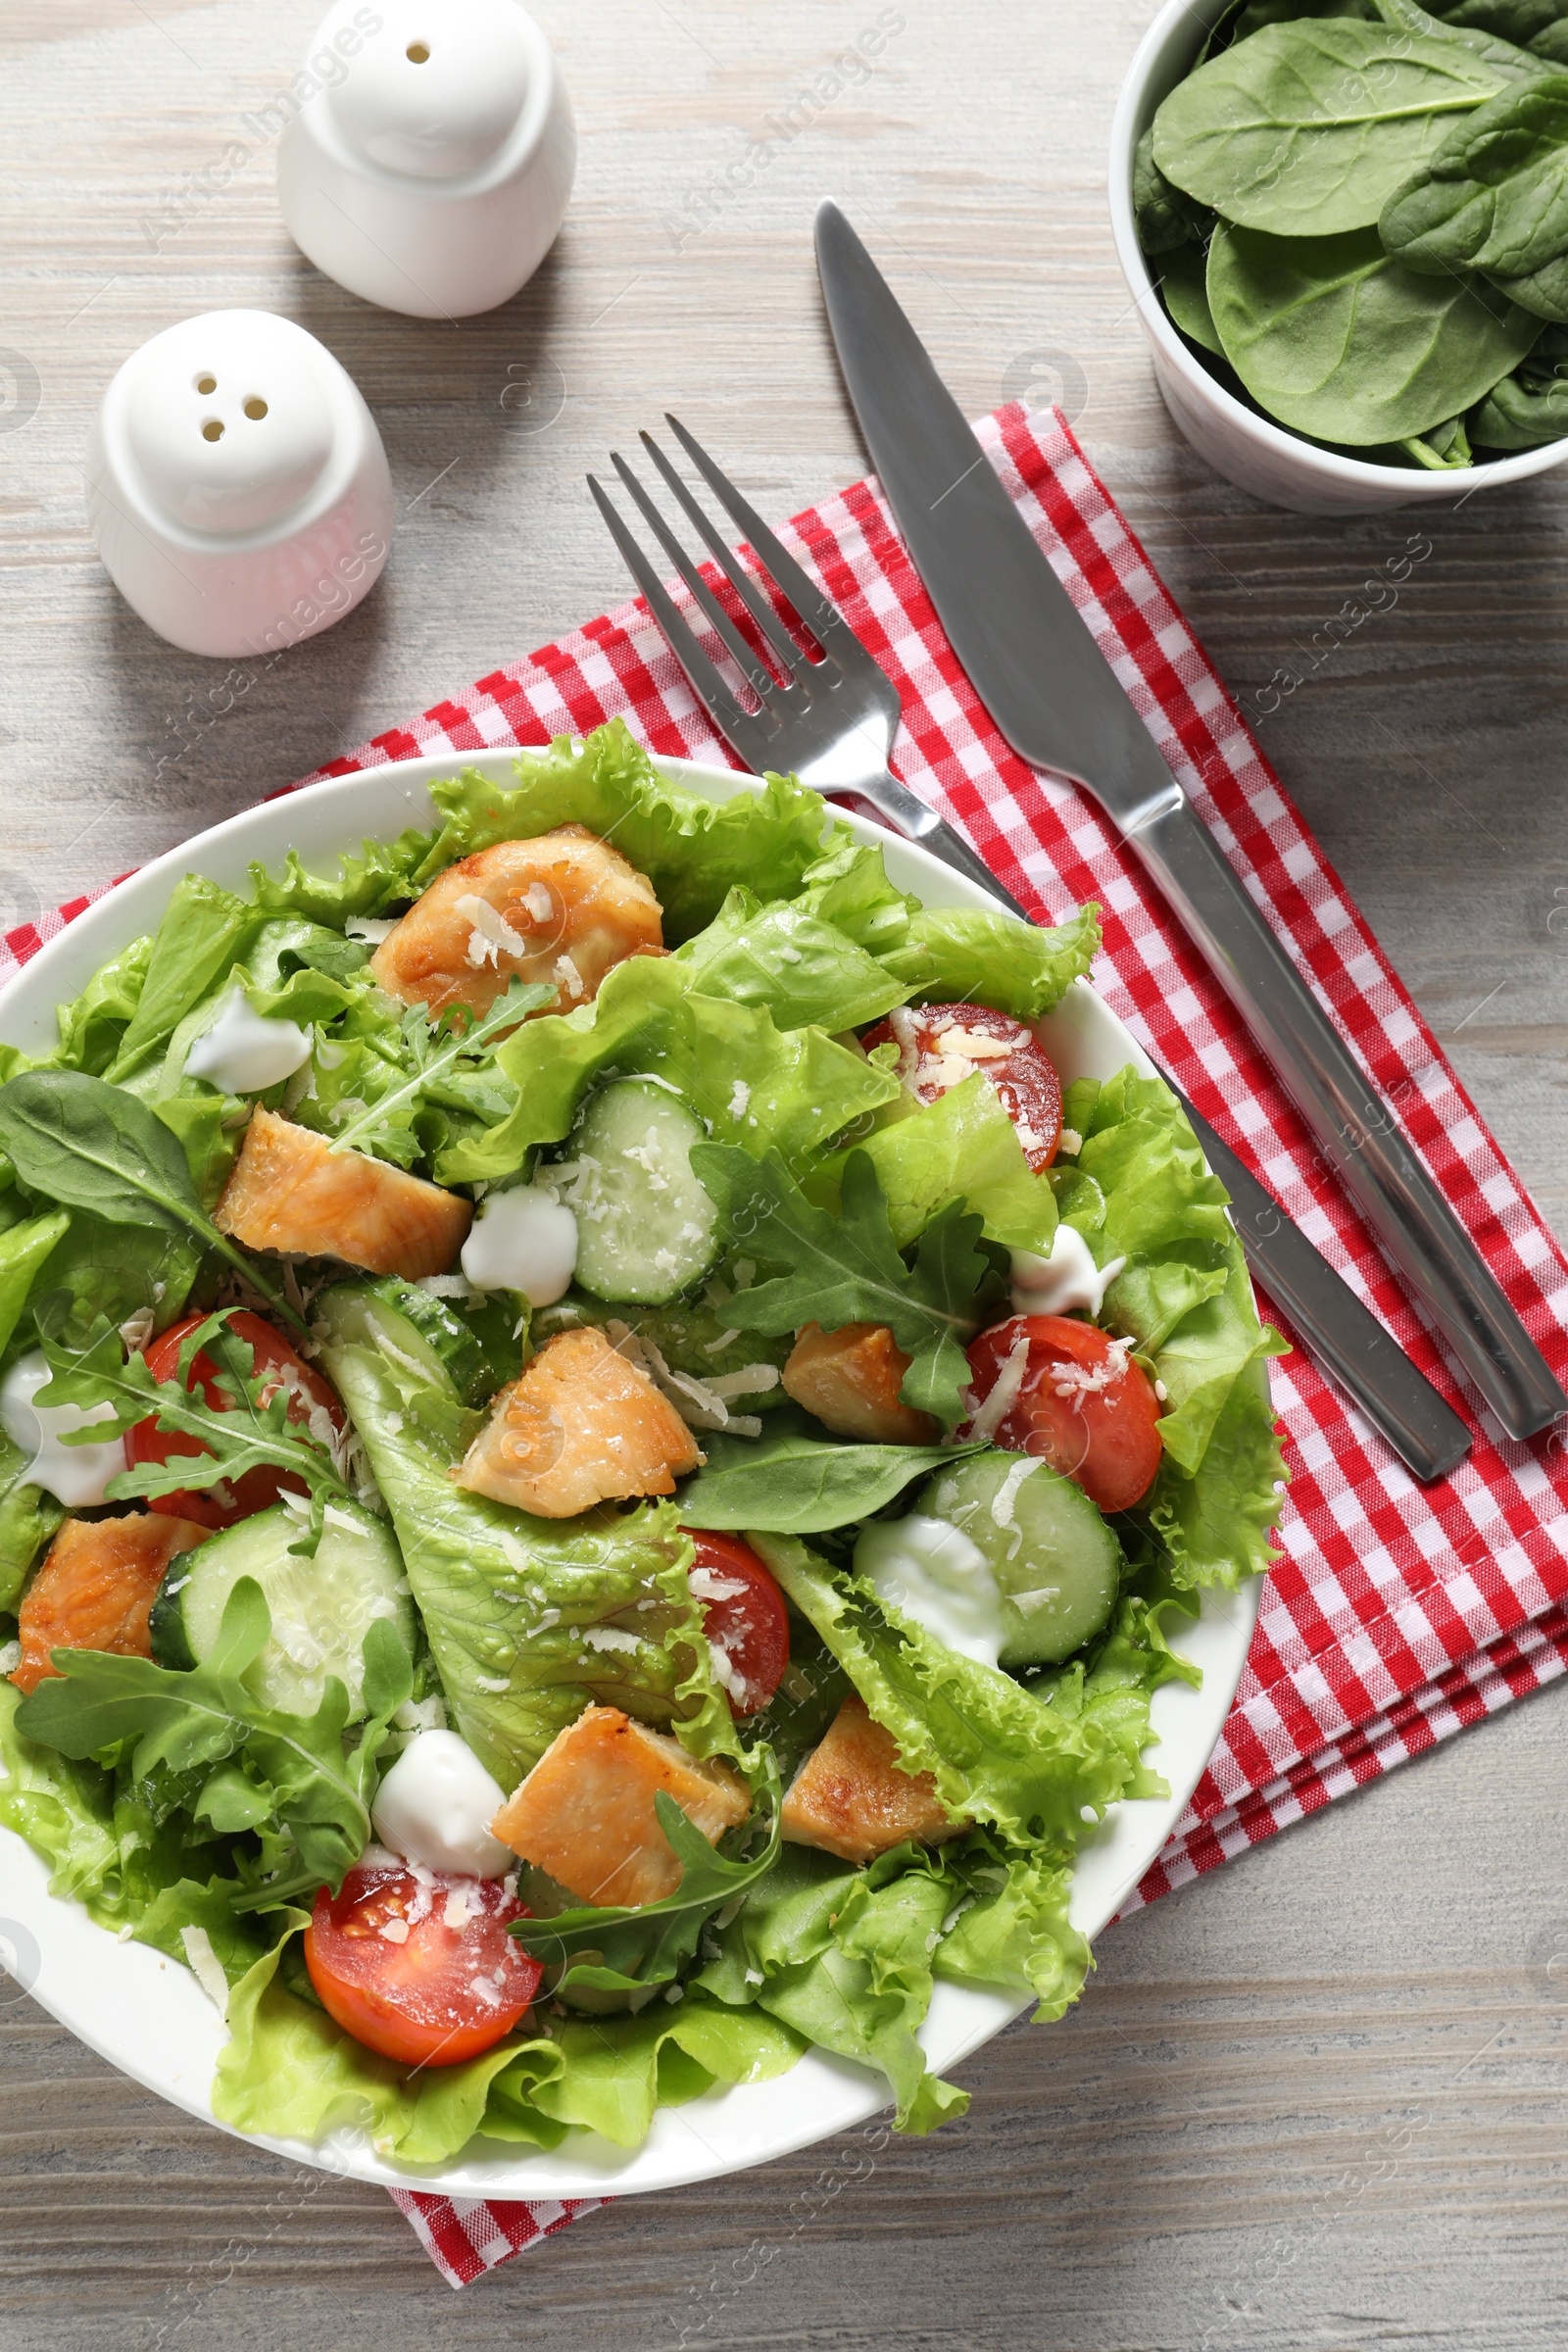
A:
(1398, 1613)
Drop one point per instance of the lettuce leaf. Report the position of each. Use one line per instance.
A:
(379, 878)
(28, 1519)
(849, 888)
(952, 954)
(803, 970)
(1140, 1189)
(755, 1087)
(842, 1956)
(92, 1026)
(964, 1146)
(529, 1620)
(288, 2069)
(694, 850)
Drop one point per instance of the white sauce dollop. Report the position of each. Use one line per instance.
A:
(934, 1573)
(436, 1806)
(1068, 1281)
(243, 1053)
(523, 1240)
(75, 1475)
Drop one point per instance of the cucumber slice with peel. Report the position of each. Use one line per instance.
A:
(645, 1228)
(321, 1608)
(1057, 1565)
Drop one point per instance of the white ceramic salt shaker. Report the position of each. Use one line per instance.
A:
(428, 170)
(238, 490)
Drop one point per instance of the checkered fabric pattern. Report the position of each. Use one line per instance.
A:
(1397, 1613)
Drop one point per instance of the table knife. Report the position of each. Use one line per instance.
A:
(1056, 700)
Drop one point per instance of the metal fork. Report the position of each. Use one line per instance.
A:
(830, 720)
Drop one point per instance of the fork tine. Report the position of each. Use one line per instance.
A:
(707, 683)
(819, 614)
(761, 612)
(751, 668)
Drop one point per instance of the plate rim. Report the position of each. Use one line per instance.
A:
(844, 2094)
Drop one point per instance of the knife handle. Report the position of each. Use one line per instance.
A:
(1358, 1131)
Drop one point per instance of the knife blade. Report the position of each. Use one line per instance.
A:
(1056, 700)
(1396, 1398)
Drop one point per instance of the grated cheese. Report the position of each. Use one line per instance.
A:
(206, 1967)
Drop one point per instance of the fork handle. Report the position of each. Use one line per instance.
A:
(906, 809)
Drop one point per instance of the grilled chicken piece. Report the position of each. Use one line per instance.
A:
(582, 1426)
(563, 908)
(290, 1190)
(850, 1378)
(585, 1813)
(852, 1798)
(96, 1587)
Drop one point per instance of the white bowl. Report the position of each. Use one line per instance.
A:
(1250, 450)
(429, 168)
(238, 489)
(149, 2017)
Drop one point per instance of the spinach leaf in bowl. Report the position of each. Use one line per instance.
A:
(1529, 408)
(1340, 342)
(1493, 197)
(1306, 129)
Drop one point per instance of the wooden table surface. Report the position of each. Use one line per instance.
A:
(1316, 2100)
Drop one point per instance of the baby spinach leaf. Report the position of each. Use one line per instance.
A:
(1443, 450)
(803, 1486)
(847, 1269)
(1332, 337)
(1525, 411)
(1184, 282)
(1306, 129)
(1167, 219)
(85, 1144)
(199, 1722)
(1493, 197)
(627, 1949)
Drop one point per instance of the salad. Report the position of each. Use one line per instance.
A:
(601, 1462)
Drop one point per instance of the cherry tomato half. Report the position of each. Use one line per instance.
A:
(941, 1043)
(281, 1368)
(1076, 1401)
(747, 1621)
(421, 1969)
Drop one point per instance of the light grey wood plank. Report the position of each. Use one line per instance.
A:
(1314, 2101)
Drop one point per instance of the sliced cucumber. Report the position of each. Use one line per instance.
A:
(321, 1608)
(476, 1340)
(1056, 1563)
(646, 1227)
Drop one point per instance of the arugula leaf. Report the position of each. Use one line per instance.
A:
(847, 1269)
(85, 1144)
(795, 1485)
(440, 1052)
(29, 1517)
(200, 1721)
(246, 1435)
(649, 1943)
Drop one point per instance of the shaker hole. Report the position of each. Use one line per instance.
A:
(213, 429)
(256, 409)
(418, 53)
(207, 384)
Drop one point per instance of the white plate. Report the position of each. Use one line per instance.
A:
(149, 2017)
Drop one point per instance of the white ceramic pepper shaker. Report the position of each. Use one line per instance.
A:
(430, 168)
(238, 491)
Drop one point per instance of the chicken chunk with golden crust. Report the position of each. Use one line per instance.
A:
(289, 1191)
(582, 1426)
(563, 908)
(853, 1798)
(586, 1811)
